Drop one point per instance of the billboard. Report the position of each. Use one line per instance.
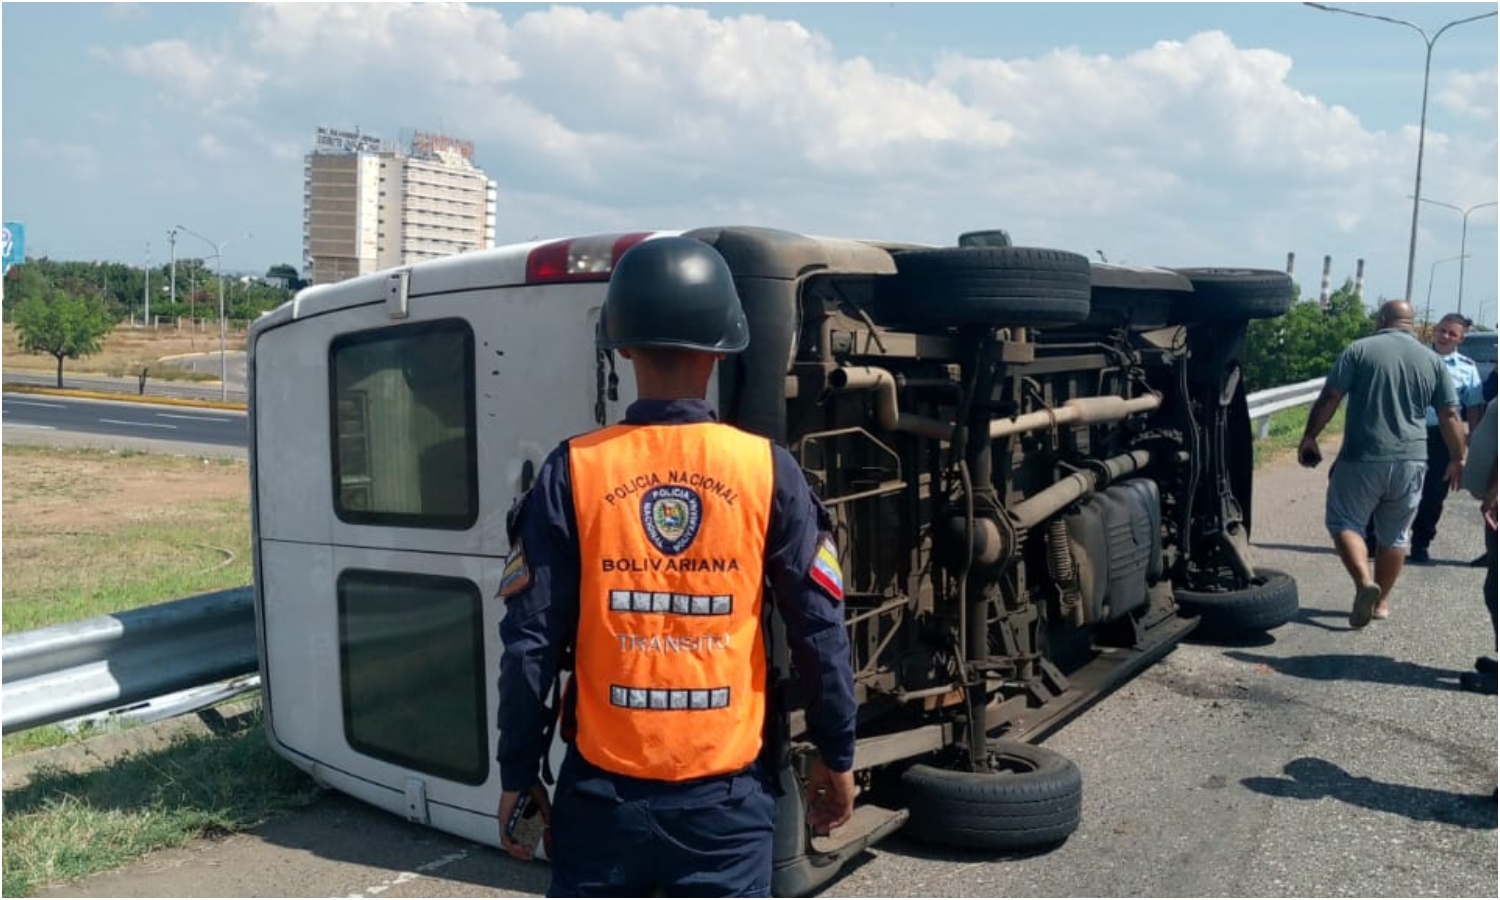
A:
(15, 245)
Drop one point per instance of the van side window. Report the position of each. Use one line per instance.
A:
(411, 664)
(404, 445)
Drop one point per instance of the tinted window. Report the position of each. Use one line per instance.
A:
(411, 659)
(403, 426)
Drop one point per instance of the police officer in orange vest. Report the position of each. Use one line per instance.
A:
(643, 549)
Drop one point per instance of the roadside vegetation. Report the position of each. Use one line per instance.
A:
(128, 349)
(90, 532)
(1285, 432)
(65, 824)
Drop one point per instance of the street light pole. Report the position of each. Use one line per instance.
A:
(1463, 240)
(1416, 203)
(219, 265)
(172, 242)
(1431, 273)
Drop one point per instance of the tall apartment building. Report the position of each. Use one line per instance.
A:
(369, 205)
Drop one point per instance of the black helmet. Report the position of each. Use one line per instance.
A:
(673, 292)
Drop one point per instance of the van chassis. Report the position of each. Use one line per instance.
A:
(984, 480)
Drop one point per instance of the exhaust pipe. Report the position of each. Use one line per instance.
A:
(1078, 411)
(887, 410)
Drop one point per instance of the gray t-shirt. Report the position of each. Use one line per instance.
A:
(1482, 455)
(1389, 379)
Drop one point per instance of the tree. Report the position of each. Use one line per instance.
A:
(288, 276)
(1304, 343)
(66, 325)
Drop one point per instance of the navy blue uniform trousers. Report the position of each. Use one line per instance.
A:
(623, 837)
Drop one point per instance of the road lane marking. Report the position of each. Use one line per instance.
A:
(139, 424)
(197, 418)
(407, 877)
(35, 403)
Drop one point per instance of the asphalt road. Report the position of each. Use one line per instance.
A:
(51, 419)
(1319, 762)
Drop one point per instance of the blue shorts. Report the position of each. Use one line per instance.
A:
(1386, 492)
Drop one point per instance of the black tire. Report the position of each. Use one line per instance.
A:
(1268, 603)
(952, 287)
(1234, 295)
(1033, 799)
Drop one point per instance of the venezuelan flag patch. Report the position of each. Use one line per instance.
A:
(517, 575)
(825, 571)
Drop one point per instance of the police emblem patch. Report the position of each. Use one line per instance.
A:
(825, 571)
(671, 515)
(517, 574)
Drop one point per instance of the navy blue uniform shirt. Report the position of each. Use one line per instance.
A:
(542, 619)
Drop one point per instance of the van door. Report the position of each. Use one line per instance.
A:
(387, 453)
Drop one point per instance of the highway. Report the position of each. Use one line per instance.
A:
(41, 418)
(1318, 761)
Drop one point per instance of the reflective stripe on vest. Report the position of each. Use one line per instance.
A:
(671, 667)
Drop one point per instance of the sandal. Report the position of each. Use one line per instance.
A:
(1364, 605)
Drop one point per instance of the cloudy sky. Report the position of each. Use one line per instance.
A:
(1163, 134)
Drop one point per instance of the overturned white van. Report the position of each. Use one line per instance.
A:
(1039, 468)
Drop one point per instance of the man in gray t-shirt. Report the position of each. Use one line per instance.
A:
(1390, 379)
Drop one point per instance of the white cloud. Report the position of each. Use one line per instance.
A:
(673, 116)
(1469, 95)
(210, 146)
(210, 80)
(122, 12)
(80, 162)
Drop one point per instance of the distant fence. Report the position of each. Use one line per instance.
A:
(183, 323)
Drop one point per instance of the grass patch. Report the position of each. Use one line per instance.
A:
(92, 532)
(1285, 433)
(89, 532)
(64, 824)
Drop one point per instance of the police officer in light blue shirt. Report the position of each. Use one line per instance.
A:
(1469, 386)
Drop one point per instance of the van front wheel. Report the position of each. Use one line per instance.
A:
(1028, 798)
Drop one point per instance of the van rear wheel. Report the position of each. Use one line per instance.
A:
(1270, 601)
(1028, 798)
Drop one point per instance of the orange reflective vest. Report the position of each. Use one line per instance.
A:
(670, 670)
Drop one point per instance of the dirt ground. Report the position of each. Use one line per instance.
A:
(66, 490)
(126, 350)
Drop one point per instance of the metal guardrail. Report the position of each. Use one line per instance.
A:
(133, 657)
(1273, 400)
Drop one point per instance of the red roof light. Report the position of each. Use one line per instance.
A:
(579, 259)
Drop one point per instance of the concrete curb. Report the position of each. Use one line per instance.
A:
(124, 398)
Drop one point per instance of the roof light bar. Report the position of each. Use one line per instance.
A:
(579, 259)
